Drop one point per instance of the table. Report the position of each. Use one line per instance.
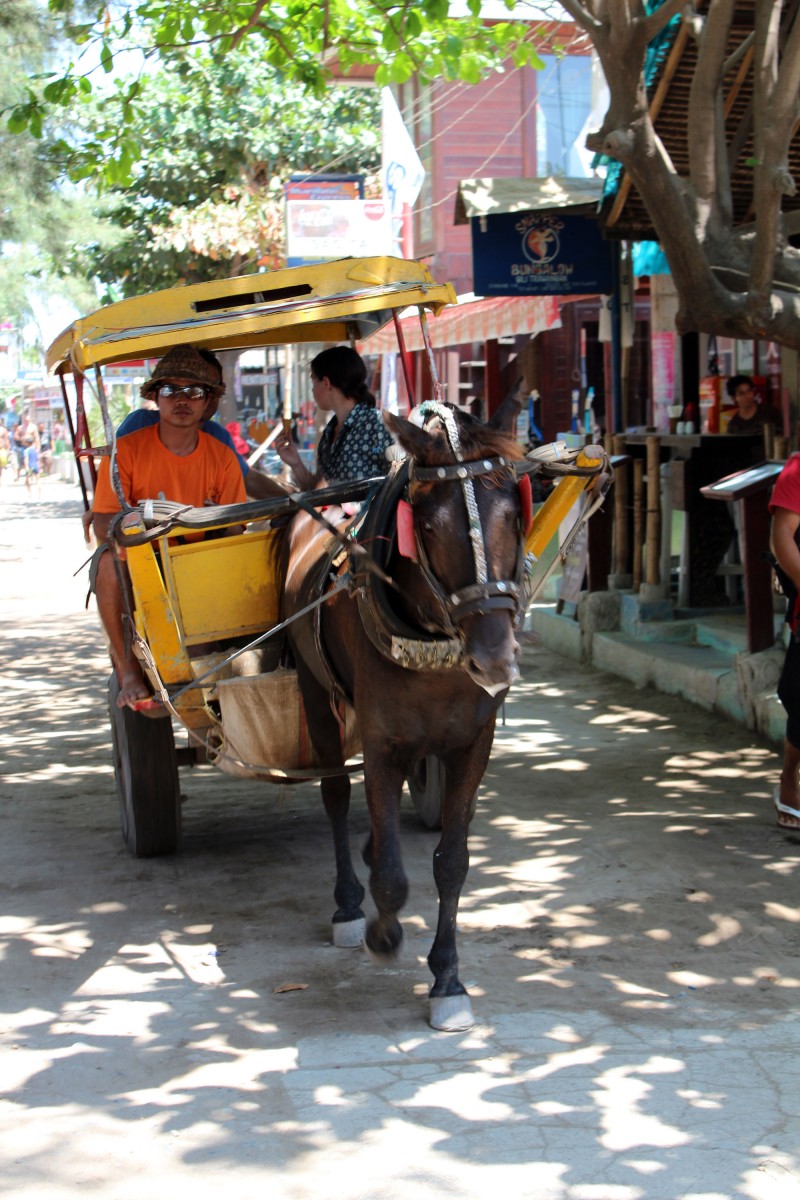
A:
(696, 460)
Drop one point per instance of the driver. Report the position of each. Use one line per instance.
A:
(173, 459)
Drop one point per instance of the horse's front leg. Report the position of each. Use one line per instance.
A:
(387, 881)
(451, 1009)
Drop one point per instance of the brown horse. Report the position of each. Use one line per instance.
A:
(424, 659)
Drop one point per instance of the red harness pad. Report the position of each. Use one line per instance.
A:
(526, 499)
(406, 542)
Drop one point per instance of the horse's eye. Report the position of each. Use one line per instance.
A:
(426, 525)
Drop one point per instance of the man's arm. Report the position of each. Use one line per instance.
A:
(782, 540)
(101, 523)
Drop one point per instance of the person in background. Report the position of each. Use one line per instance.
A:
(5, 448)
(354, 442)
(45, 449)
(785, 508)
(750, 415)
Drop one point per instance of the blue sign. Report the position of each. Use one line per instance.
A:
(539, 254)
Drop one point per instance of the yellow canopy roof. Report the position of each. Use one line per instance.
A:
(336, 301)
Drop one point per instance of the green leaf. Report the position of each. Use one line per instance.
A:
(18, 120)
(400, 69)
(389, 39)
(106, 58)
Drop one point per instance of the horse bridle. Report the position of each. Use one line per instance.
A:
(485, 595)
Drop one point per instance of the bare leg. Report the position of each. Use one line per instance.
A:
(789, 789)
(109, 604)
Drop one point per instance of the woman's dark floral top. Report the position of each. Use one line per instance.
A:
(359, 450)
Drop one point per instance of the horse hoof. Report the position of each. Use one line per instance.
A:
(385, 955)
(451, 1014)
(349, 934)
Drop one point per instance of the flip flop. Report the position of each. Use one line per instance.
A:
(785, 811)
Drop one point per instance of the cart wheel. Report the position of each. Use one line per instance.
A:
(146, 775)
(426, 784)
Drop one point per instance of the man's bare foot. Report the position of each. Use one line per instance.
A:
(132, 688)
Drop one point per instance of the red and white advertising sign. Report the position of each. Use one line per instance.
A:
(317, 230)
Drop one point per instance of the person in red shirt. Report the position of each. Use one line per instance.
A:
(785, 508)
(173, 460)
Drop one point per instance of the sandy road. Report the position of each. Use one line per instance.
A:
(630, 930)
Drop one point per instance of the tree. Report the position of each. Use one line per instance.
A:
(38, 220)
(206, 197)
(301, 39)
(734, 280)
(740, 281)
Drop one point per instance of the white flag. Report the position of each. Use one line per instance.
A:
(401, 170)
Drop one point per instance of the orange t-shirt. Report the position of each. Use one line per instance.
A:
(147, 469)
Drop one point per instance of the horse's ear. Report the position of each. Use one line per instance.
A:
(414, 440)
(504, 418)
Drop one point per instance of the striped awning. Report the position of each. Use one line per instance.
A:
(472, 321)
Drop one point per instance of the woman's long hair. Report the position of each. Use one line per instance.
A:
(346, 371)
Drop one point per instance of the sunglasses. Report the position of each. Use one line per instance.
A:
(169, 391)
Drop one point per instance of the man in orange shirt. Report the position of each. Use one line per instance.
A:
(173, 460)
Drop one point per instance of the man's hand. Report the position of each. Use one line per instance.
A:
(86, 522)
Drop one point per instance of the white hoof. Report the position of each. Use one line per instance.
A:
(451, 1014)
(348, 935)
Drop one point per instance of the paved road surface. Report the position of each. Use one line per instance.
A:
(630, 930)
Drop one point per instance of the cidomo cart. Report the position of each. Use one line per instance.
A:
(239, 706)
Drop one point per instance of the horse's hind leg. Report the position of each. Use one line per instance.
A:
(388, 884)
(348, 920)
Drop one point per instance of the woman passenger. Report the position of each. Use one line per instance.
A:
(354, 442)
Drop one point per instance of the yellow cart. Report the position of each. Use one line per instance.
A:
(238, 704)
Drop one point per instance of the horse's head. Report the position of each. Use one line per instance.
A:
(465, 502)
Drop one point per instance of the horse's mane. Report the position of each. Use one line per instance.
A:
(477, 441)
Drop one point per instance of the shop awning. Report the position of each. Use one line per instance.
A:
(490, 197)
(473, 321)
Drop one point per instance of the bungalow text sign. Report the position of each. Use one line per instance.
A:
(539, 254)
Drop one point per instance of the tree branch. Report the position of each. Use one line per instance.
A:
(770, 156)
(249, 24)
(650, 26)
(704, 163)
(581, 15)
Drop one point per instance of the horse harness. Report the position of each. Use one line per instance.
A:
(440, 645)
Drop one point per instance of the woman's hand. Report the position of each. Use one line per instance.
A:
(287, 451)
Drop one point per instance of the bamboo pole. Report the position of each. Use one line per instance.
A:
(557, 506)
(622, 549)
(638, 523)
(653, 534)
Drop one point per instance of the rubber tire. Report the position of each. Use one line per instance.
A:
(426, 785)
(146, 775)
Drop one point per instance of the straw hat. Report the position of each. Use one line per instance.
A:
(187, 364)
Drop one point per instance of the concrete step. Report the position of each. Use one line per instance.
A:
(704, 661)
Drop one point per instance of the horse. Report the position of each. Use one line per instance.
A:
(421, 643)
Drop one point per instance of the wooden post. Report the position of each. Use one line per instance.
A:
(781, 448)
(769, 442)
(622, 549)
(652, 574)
(638, 513)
